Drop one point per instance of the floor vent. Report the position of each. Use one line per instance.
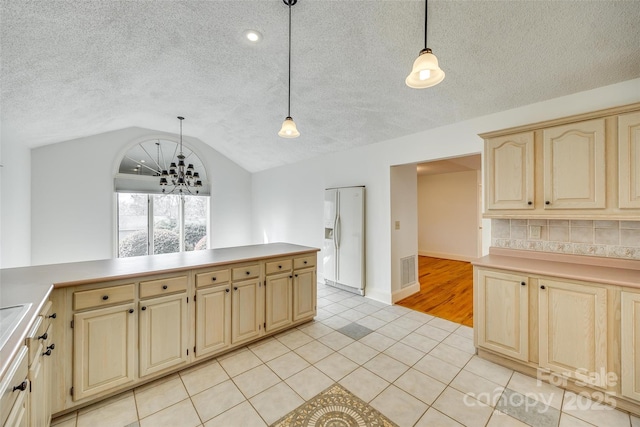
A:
(408, 271)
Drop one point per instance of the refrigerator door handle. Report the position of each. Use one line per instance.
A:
(337, 232)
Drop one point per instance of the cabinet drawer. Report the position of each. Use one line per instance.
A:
(36, 337)
(103, 297)
(212, 278)
(279, 266)
(306, 261)
(16, 376)
(163, 286)
(246, 272)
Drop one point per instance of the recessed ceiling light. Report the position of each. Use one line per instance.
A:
(142, 161)
(253, 36)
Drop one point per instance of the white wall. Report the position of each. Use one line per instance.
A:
(15, 202)
(73, 202)
(404, 241)
(448, 215)
(299, 187)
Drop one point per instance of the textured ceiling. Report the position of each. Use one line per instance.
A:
(76, 68)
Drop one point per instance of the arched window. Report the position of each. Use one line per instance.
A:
(154, 218)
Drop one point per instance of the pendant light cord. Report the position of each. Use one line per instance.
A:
(289, 102)
(426, 7)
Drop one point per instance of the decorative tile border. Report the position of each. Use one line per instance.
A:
(613, 239)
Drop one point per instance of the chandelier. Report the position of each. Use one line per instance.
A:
(182, 177)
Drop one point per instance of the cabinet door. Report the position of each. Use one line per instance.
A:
(213, 319)
(574, 166)
(247, 317)
(631, 345)
(163, 333)
(502, 321)
(573, 330)
(629, 160)
(509, 172)
(19, 415)
(104, 349)
(279, 307)
(38, 390)
(304, 294)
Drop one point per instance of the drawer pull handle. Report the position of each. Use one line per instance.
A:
(106, 297)
(523, 283)
(529, 202)
(164, 286)
(296, 275)
(235, 288)
(51, 347)
(547, 202)
(213, 278)
(43, 336)
(47, 353)
(143, 308)
(248, 273)
(290, 277)
(130, 310)
(227, 289)
(305, 262)
(542, 287)
(21, 387)
(280, 267)
(53, 316)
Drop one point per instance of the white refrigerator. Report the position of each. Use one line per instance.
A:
(343, 249)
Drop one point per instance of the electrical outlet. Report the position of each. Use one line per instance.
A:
(534, 231)
(397, 225)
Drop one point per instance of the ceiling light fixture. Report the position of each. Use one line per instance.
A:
(253, 36)
(289, 129)
(183, 178)
(425, 72)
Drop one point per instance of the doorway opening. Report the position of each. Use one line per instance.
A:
(450, 236)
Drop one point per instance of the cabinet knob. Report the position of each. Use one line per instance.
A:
(53, 316)
(547, 202)
(47, 353)
(22, 386)
(290, 277)
(51, 347)
(235, 288)
(280, 267)
(248, 273)
(143, 308)
(164, 287)
(227, 289)
(542, 287)
(106, 297)
(213, 278)
(529, 202)
(523, 283)
(130, 310)
(296, 275)
(43, 336)
(305, 262)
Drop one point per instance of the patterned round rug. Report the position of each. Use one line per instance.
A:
(334, 407)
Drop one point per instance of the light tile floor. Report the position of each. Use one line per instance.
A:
(416, 369)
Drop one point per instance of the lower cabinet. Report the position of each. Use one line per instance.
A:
(630, 380)
(104, 350)
(14, 386)
(573, 330)
(502, 319)
(279, 297)
(213, 319)
(304, 294)
(247, 300)
(163, 335)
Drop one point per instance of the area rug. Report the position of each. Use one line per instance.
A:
(334, 407)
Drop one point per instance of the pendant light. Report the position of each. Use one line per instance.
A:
(289, 129)
(425, 72)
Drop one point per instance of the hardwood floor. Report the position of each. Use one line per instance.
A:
(446, 290)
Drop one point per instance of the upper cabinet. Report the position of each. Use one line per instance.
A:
(580, 167)
(629, 160)
(510, 179)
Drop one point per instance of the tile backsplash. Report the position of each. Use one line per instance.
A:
(614, 239)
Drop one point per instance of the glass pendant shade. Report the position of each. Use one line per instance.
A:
(425, 72)
(289, 129)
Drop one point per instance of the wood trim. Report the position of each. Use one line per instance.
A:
(563, 120)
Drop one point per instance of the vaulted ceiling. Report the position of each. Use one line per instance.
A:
(76, 68)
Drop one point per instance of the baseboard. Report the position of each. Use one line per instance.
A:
(405, 292)
(378, 296)
(447, 256)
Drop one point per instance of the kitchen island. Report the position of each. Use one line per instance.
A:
(123, 322)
